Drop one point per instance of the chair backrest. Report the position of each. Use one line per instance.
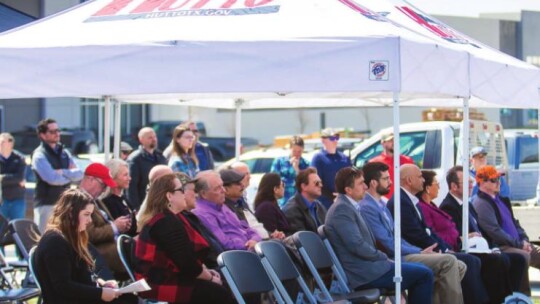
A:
(5, 237)
(25, 233)
(32, 265)
(245, 274)
(326, 242)
(280, 267)
(126, 249)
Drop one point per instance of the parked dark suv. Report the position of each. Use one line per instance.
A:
(76, 140)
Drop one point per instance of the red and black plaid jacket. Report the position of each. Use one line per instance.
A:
(168, 281)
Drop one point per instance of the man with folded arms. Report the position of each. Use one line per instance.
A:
(447, 270)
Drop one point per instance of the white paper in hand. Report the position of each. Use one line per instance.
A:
(138, 286)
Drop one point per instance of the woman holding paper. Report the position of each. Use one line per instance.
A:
(63, 265)
(170, 252)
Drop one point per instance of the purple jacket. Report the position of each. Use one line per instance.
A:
(441, 223)
(225, 225)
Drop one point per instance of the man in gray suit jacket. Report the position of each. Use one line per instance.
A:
(351, 238)
(448, 271)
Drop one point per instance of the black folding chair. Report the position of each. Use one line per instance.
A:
(245, 275)
(26, 234)
(126, 248)
(281, 268)
(390, 294)
(8, 292)
(317, 258)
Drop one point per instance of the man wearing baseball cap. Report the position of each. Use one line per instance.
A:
(478, 157)
(497, 221)
(103, 230)
(387, 157)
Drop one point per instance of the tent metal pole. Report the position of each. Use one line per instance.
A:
(117, 126)
(100, 124)
(107, 129)
(238, 128)
(538, 183)
(465, 126)
(397, 199)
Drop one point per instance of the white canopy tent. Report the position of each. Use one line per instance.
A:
(273, 51)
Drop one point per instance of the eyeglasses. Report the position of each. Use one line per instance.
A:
(318, 183)
(195, 131)
(181, 189)
(55, 131)
(493, 180)
(100, 182)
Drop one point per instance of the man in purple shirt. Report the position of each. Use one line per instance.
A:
(497, 221)
(216, 216)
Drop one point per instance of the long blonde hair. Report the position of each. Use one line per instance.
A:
(65, 219)
(156, 201)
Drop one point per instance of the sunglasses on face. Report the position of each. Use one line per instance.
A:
(493, 180)
(55, 131)
(333, 137)
(318, 183)
(181, 189)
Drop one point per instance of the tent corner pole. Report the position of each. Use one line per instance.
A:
(397, 198)
(117, 126)
(466, 172)
(238, 128)
(107, 128)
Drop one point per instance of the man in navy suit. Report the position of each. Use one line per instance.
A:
(415, 231)
(353, 241)
(448, 271)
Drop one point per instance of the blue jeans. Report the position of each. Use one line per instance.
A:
(417, 279)
(13, 209)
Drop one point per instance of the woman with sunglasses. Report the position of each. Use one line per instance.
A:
(170, 252)
(267, 211)
(63, 263)
(183, 158)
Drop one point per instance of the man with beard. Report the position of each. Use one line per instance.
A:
(447, 270)
(387, 157)
(140, 163)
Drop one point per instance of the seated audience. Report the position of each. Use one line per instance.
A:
(447, 270)
(495, 267)
(365, 266)
(64, 265)
(216, 216)
(170, 252)
(116, 202)
(453, 205)
(104, 229)
(416, 232)
(267, 211)
(156, 172)
(183, 158)
(304, 211)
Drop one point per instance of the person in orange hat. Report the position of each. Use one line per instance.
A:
(497, 221)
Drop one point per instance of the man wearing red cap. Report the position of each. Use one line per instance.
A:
(102, 232)
(497, 221)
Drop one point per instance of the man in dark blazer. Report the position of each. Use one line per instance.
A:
(364, 265)
(415, 231)
(303, 211)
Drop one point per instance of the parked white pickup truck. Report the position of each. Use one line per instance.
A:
(437, 146)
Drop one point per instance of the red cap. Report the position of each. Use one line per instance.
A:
(98, 170)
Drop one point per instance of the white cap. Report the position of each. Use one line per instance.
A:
(478, 244)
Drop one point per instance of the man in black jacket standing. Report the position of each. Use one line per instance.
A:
(12, 168)
(140, 163)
